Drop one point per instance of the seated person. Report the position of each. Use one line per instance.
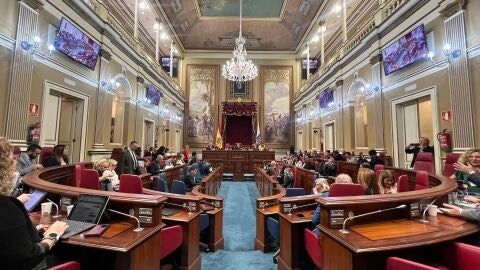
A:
(114, 179)
(288, 178)
(471, 214)
(157, 165)
(103, 168)
(309, 164)
(59, 157)
(350, 158)
(341, 178)
(365, 165)
(193, 159)
(321, 187)
(329, 168)
(189, 179)
(387, 182)
(21, 243)
(180, 160)
(168, 161)
(374, 159)
(367, 178)
(361, 158)
(337, 156)
(27, 161)
(470, 158)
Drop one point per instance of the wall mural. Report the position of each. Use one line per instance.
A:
(202, 84)
(276, 82)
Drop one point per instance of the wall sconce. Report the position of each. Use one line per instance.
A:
(31, 46)
(447, 55)
(165, 130)
(111, 86)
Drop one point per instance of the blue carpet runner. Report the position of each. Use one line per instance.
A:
(238, 231)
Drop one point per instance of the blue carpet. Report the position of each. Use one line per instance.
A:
(238, 231)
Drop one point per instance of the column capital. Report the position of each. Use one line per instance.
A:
(34, 4)
(375, 59)
(140, 80)
(105, 54)
(339, 83)
(453, 8)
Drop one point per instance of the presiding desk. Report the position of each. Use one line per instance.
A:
(238, 162)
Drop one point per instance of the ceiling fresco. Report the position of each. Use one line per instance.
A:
(251, 8)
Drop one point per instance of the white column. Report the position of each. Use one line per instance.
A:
(344, 20)
(102, 99)
(322, 43)
(340, 131)
(157, 48)
(308, 61)
(376, 86)
(135, 24)
(171, 59)
(21, 74)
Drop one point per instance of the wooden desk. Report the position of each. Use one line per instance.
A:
(238, 162)
(410, 239)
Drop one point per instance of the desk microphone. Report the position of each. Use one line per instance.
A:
(344, 230)
(268, 204)
(423, 220)
(301, 206)
(56, 208)
(180, 205)
(138, 229)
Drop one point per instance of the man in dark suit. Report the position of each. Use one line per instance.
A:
(421, 146)
(128, 163)
(189, 180)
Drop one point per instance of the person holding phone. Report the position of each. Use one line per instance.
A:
(423, 145)
(21, 245)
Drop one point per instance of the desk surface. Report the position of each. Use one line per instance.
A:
(439, 229)
(123, 242)
(270, 210)
(299, 216)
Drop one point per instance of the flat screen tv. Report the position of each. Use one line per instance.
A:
(313, 67)
(166, 65)
(153, 95)
(76, 45)
(405, 51)
(325, 98)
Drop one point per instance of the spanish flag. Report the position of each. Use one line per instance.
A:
(218, 140)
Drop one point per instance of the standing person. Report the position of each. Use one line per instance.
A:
(422, 146)
(186, 152)
(128, 163)
(59, 157)
(26, 161)
(374, 159)
(21, 246)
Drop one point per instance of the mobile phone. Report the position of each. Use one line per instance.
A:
(97, 230)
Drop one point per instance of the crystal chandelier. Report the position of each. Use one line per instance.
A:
(239, 69)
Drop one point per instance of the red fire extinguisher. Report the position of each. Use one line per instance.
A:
(445, 140)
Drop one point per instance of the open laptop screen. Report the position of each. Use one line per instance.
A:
(89, 208)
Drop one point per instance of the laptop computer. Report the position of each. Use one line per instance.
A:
(85, 214)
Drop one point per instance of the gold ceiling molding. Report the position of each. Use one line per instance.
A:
(34, 4)
(453, 8)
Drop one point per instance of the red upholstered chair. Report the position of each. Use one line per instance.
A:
(383, 157)
(378, 167)
(130, 183)
(395, 263)
(402, 185)
(78, 174)
(116, 153)
(72, 265)
(339, 190)
(81, 164)
(89, 179)
(450, 159)
(467, 256)
(421, 180)
(172, 238)
(312, 245)
(44, 153)
(424, 162)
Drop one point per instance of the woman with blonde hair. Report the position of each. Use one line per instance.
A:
(471, 159)
(21, 246)
(387, 182)
(367, 179)
(321, 187)
(105, 174)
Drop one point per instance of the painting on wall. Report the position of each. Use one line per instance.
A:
(202, 87)
(277, 85)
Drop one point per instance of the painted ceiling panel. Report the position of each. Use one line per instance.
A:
(251, 8)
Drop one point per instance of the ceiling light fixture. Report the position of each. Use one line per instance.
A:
(239, 69)
(143, 5)
(337, 8)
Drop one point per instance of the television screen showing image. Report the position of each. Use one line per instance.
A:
(76, 45)
(166, 64)
(313, 67)
(326, 98)
(405, 51)
(153, 95)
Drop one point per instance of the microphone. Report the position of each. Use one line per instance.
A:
(56, 208)
(268, 204)
(295, 207)
(344, 230)
(423, 220)
(138, 229)
(180, 205)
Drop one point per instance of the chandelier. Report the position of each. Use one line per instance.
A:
(239, 69)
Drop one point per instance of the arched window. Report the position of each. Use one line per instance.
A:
(357, 96)
(121, 94)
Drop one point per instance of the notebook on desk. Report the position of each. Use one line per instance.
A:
(85, 214)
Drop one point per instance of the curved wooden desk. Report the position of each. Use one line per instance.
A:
(207, 191)
(401, 233)
(128, 250)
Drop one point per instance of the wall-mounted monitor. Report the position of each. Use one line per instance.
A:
(405, 51)
(72, 42)
(153, 95)
(313, 67)
(165, 61)
(326, 98)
